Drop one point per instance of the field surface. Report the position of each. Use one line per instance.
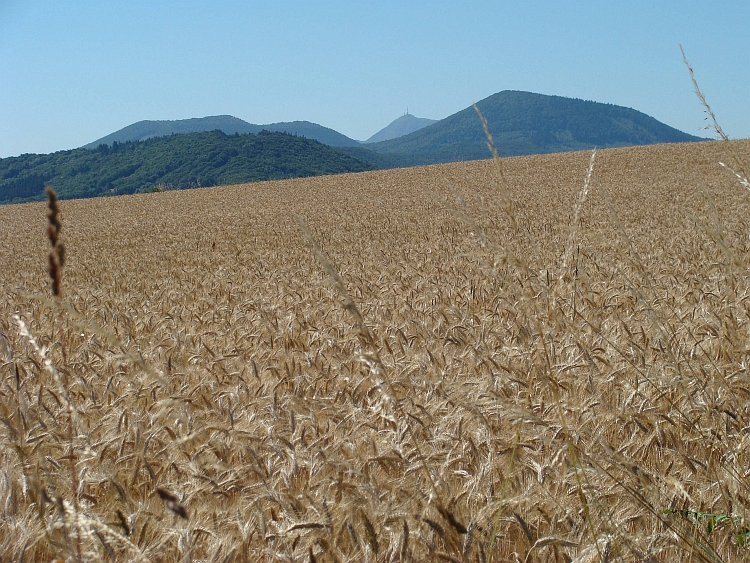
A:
(543, 358)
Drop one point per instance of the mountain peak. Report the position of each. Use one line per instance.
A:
(229, 124)
(529, 123)
(404, 125)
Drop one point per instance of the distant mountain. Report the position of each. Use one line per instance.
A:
(526, 123)
(520, 122)
(223, 149)
(228, 124)
(312, 131)
(189, 160)
(404, 125)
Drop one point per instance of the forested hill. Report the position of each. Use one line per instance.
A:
(527, 123)
(230, 125)
(178, 161)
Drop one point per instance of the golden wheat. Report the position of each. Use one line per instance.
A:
(550, 367)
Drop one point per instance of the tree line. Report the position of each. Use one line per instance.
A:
(180, 161)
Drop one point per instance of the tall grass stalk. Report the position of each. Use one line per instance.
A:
(56, 260)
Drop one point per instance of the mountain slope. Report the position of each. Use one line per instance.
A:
(228, 124)
(526, 123)
(314, 131)
(179, 161)
(404, 125)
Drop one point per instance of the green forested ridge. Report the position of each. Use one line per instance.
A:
(520, 122)
(178, 161)
(380, 160)
(526, 123)
(230, 125)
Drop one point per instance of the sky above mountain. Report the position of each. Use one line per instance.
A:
(75, 71)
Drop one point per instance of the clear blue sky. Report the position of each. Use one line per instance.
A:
(74, 71)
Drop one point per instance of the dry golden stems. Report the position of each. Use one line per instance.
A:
(56, 263)
(57, 254)
(740, 174)
(718, 238)
(503, 183)
(537, 318)
(515, 261)
(265, 424)
(371, 357)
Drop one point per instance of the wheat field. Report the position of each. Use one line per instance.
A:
(538, 359)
